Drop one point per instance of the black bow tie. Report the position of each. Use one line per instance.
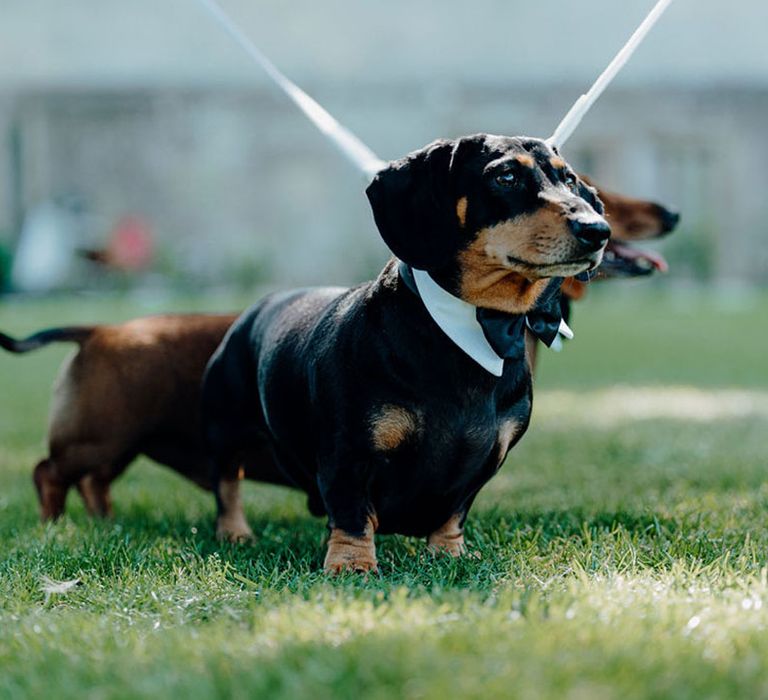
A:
(505, 332)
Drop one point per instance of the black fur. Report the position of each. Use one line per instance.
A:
(76, 334)
(305, 373)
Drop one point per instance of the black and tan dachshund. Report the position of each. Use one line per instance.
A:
(358, 396)
(133, 388)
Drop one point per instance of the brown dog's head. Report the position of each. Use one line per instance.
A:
(633, 220)
(490, 217)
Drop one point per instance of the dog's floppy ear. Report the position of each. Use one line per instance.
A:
(411, 201)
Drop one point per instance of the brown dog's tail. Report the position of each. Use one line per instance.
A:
(70, 334)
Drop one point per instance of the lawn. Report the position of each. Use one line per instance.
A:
(621, 552)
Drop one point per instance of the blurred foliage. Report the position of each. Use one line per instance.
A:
(691, 253)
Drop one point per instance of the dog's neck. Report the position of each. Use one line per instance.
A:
(492, 288)
(487, 336)
(456, 318)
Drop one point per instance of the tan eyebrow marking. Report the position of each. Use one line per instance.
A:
(525, 160)
(461, 211)
(557, 162)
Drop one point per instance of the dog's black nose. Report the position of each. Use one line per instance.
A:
(592, 234)
(669, 220)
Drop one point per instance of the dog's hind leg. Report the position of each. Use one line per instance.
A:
(91, 466)
(231, 524)
(96, 496)
(94, 485)
(51, 490)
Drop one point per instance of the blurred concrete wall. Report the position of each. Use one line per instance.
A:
(146, 107)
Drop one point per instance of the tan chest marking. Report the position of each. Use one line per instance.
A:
(507, 432)
(392, 425)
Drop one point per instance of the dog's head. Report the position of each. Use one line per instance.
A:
(633, 220)
(490, 217)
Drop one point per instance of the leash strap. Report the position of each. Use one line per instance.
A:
(353, 149)
(362, 157)
(572, 120)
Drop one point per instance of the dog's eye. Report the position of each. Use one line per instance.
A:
(570, 181)
(506, 179)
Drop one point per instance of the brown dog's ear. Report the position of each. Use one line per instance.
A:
(411, 202)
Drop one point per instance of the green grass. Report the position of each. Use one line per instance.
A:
(621, 552)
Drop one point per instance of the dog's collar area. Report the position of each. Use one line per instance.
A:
(489, 337)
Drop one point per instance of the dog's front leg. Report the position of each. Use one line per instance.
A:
(351, 551)
(352, 523)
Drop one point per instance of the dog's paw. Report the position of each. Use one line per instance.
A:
(448, 539)
(452, 546)
(335, 566)
(347, 553)
(234, 530)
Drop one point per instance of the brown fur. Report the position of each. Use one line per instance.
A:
(448, 539)
(558, 163)
(231, 524)
(130, 389)
(349, 553)
(392, 426)
(631, 219)
(573, 288)
(487, 278)
(461, 211)
(525, 160)
(502, 268)
(95, 495)
(507, 433)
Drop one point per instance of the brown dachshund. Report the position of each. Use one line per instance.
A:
(133, 388)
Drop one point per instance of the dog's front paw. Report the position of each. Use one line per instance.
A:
(233, 529)
(454, 547)
(349, 553)
(449, 539)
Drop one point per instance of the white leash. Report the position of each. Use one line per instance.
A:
(576, 113)
(352, 147)
(460, 324)
(363, 157)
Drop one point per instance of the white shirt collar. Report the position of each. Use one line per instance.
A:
(458, 320)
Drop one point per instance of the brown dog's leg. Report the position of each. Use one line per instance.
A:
(51, 490)
(449, 538)
(231, 523)
(95, 495)
(348, 552)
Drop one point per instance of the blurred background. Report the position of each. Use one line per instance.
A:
(141, 150)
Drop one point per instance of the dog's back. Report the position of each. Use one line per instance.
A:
(148, 370)
(130, 388)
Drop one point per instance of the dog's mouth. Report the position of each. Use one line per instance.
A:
(564, 268)
(626, 260)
